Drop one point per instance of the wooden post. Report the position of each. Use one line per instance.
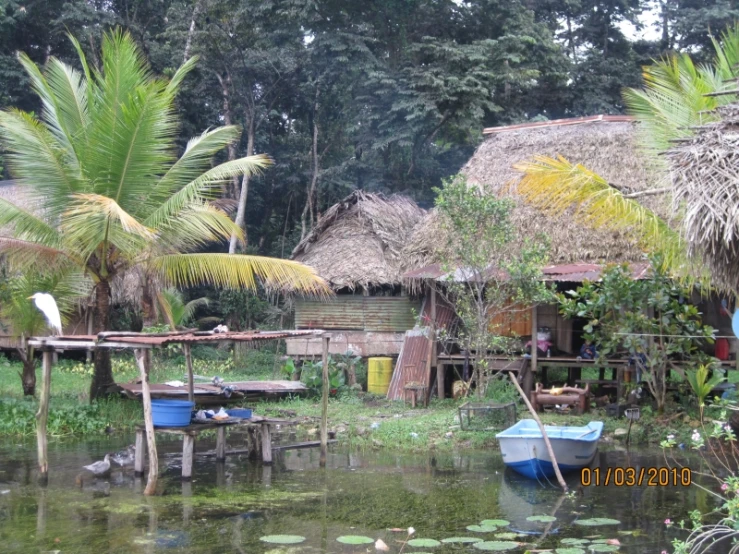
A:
(42, 416)
(324, 402)
(188, 445)
(188, 361)
(151, 482)
(266, 444)
(138, 463)
(434, 349)
(221, 444)
(543, 432)
(534, 341)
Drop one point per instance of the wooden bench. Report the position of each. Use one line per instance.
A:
(412, 390)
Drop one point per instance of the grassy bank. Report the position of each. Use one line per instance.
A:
(358, 419)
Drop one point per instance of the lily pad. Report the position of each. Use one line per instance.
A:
(496, 546)
(282, 539)
(603, 548)
(543, 519)
(355, 539)
(506, 536)
(494, 523)
(599, 541)
(574, 541)
(570, 550)
(461, 540)
(592, 522)
(424, 542)
(482, 528)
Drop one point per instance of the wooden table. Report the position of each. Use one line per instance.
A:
(190, 432)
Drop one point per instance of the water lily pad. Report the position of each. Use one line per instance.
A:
(282, 539)
(496, 546)
(482, 528)
(574, 541)
(506, 536)
(570, 550)
(424, 542)
(543, 519)
(461, 540)
(494, 523)
(592, 522)
(355, 539)
(599, 541)
(603, 548)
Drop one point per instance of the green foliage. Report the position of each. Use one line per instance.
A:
(701, 384)
(490, 271)
(312, 375)
(176, 312)
(624, 314)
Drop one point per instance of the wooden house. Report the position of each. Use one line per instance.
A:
(357, 248)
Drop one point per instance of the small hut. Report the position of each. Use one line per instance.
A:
(357, 247)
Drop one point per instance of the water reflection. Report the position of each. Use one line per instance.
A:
(228, 506)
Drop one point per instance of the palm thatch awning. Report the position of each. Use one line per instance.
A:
(358, 242)
(606, 145)
(705, 177)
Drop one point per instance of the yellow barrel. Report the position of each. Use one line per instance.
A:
(379, 373)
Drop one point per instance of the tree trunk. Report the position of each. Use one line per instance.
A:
(228, 120)
(309, 208)
(28, 378)
(102, 378)
(244, 194)
(191, 31)
(147, 304)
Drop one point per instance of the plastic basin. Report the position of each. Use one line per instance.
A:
(171, 413)
(244, 413)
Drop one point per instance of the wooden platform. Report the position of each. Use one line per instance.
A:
(211, 394)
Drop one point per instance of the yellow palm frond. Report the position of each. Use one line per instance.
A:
(239, 271)
(555, 185)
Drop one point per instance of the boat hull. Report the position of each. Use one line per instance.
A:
(524, 450)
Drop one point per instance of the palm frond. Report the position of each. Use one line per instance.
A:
(91, 205)
(27, 226)
(194, 227)
(555, 186)
(239, 271)
(24, 255)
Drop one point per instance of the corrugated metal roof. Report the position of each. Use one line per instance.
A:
(559, 123)
(412, 363)
(355, 312)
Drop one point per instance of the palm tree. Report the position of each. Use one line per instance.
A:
(677, 96)
(102, 161)
(175, 310)
(26, 320)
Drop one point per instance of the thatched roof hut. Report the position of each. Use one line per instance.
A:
(606, 145)
(358, 242)
(705, 172)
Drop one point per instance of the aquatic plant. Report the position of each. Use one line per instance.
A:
(355, 539)
(282, 539)
(496, 546)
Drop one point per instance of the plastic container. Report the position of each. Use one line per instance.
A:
(244, 413)
(722, 349)
(379, 373)
(171, 413)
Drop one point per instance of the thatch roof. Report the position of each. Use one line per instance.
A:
(705, 176)
(603, 144)
(358, 242)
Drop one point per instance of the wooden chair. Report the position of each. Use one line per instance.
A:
(413, 389)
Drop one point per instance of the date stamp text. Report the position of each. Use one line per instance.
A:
(631, 476)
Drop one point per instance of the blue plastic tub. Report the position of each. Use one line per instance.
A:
(244, 413)
(171, 413)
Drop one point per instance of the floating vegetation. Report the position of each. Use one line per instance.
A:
(282, 539)
(603, 548)
(495, 523)
(461, 540)
(426, 543)
(355, 539)
(570, 550)
(543, 519)
(496, 546)
(592, 522)
(574, 541)
(506, 536)
(482, 528)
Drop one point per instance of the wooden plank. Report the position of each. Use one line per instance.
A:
(298, 445)
(324, 405)
(221, 444)
(190, 383)
(534, 339)
(151, 481)
(188, 446)
(266, 444)
(138, 463)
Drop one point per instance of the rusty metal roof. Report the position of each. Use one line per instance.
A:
(559, 123)
(412, 364)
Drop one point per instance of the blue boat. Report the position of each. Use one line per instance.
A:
(524, 450)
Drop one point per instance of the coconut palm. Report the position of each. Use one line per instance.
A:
(677, 96)
(102, 161)
(27, 321)
(175, 310)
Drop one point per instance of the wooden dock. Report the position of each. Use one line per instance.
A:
(206, 393)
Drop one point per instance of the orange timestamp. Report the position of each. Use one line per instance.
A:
(630, 476)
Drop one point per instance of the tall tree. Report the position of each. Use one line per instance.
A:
(102, 160)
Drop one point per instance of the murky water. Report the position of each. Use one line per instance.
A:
(228, 507)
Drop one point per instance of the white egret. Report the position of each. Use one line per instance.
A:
(47, 305)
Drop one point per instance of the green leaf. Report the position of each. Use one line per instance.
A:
(603, 548)
(461, 540)
(355, 539)
(482, 528)
(427, 543)
(496, 546)
(569, 550)
(282, 539)
(543, 518)
(595, 521)
(495, 522)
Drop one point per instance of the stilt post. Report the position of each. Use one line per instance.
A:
(139, 454)
(188, 361)
(43, 415)
(151, 482)
(534, 340)
(221, 444)
(324, 403)
(188, 446)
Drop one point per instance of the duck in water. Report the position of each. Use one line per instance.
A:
(100, 468)
(125, 457)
